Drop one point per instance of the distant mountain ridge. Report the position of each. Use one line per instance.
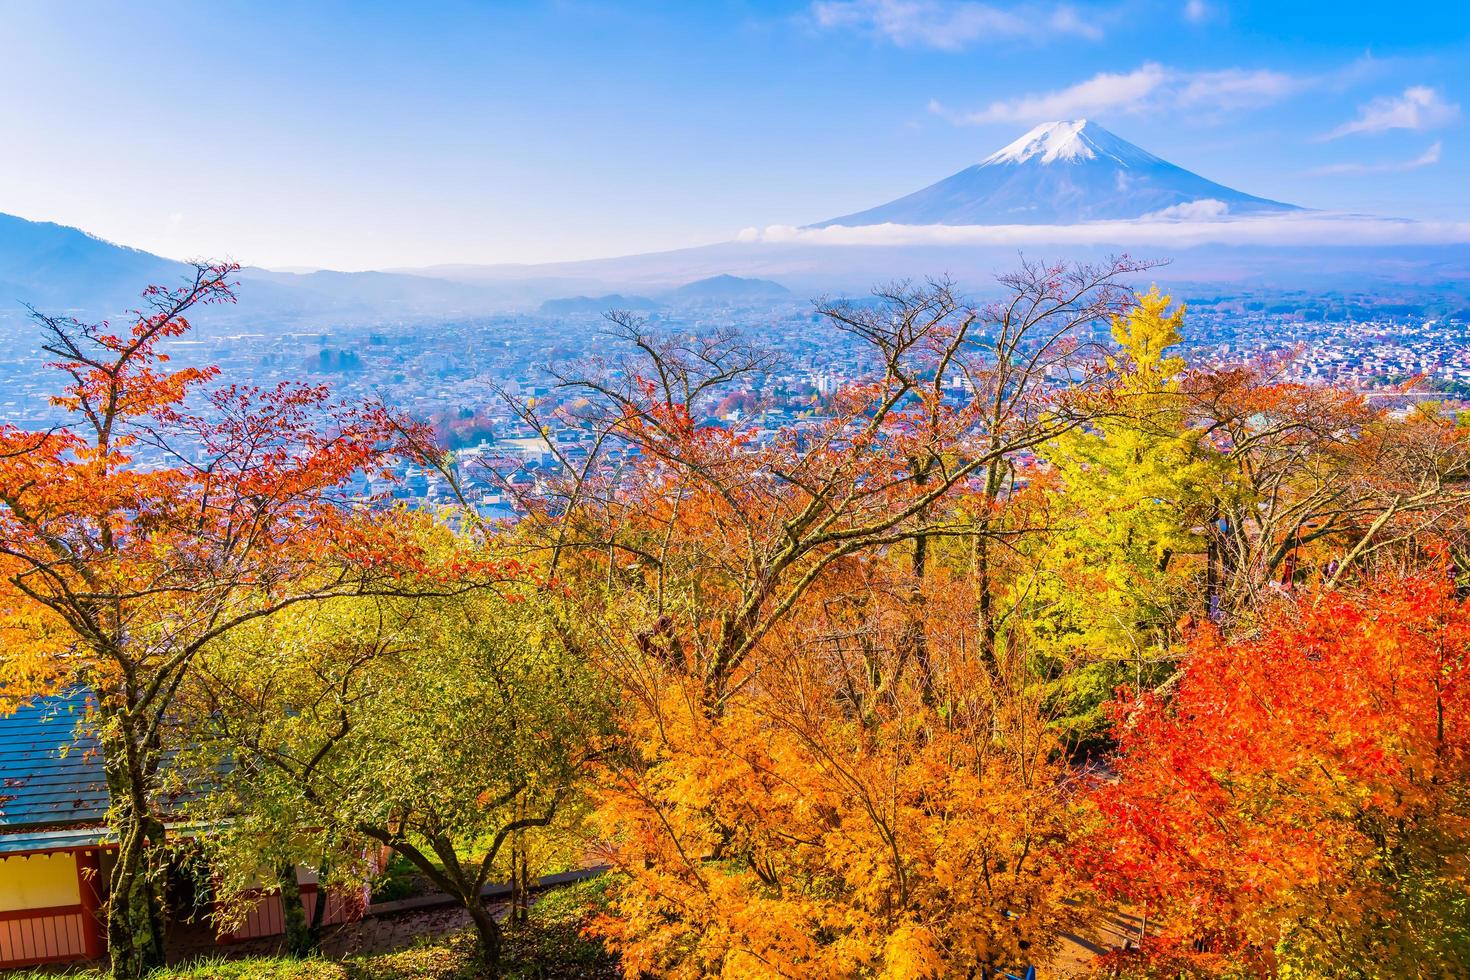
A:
(59, 268)
(597, 304)
(728, 289)
(721, 290)
(1069, 172)
(1064, 173)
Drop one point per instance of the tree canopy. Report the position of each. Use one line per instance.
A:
(1036, 622)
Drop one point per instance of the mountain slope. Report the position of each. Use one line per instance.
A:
(597, 304)
(1063, 173)
(57, 267)
(727, 289)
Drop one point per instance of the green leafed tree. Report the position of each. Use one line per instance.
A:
(1128, 500)
(454, 731)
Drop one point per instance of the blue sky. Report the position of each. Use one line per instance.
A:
(379, 135)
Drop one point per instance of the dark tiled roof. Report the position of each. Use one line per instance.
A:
(50, 772)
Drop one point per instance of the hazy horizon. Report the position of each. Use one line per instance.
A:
(374, 136)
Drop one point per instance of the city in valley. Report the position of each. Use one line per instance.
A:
(465, 375)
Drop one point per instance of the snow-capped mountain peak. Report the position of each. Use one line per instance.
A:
(1063, 173)
(1071, 141)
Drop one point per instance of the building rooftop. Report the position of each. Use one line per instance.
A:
(51, 777)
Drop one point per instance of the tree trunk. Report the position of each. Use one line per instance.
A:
(518, 883)
(488, 932)
(135, 938)
(984, 599)
(918, 638)
(319, 907)
(1212, 565)
(134, 926)
(980, 568)
(452, 881)
(298, 935)
(526, 879)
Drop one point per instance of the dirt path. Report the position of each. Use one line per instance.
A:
(1114, 931)
(372, 935)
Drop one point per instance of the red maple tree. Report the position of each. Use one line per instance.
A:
(1303, 799)
(155, 520)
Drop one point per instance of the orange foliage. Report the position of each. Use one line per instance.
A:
(154, 523)
(835, 763)
(844, 814)
(111, 568)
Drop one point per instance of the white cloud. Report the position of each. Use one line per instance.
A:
(1148, 88)
(1066, 20)
(1237, 88)
(1428, 158)
(1205, 209)
(1196, 11)
(1102, 92)
(952, 25)
(1420, 107)
(1299, 228)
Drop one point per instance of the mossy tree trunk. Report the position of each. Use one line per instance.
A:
(299, 938)
(135, 921)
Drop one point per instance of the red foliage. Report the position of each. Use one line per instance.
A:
(1302, 796)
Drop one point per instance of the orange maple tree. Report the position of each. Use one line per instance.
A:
(828, 770)
(153, 522)
(1302, 801)
(1323, 481)
(847, 813)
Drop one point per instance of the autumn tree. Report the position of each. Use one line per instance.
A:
(1196, 495)
(1325, 481)
(1117, 555)
(154, 521)
(455, 730)
(799, 675)
(846, 814)
(871, 476)
(1299, 806)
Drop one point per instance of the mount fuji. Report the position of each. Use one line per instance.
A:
(1064, 173)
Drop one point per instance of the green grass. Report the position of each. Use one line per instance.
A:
(261, 967)
(551, 945)
(444, 958)
(548, 947)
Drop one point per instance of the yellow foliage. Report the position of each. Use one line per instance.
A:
(798, 833)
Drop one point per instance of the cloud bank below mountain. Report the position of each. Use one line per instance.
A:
(1291, 228)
